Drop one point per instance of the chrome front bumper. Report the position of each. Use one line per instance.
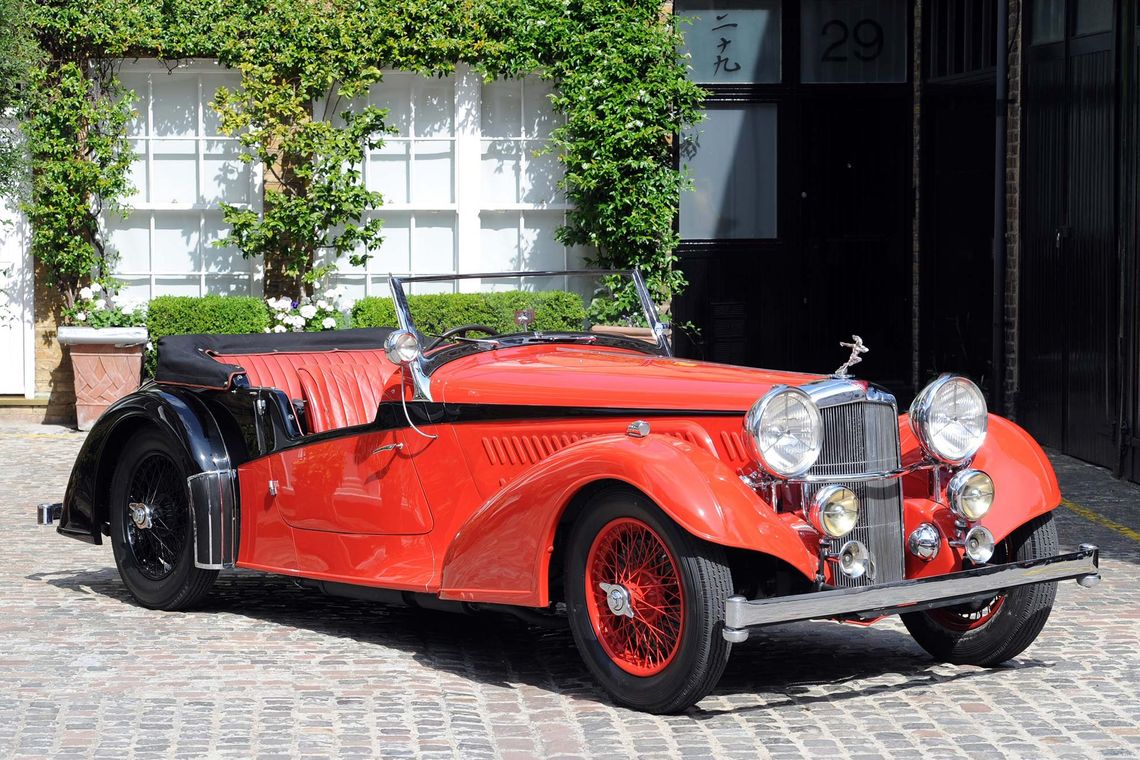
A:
(909, 596)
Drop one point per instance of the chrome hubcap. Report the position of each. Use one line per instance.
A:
(140, 515)
(617, 597)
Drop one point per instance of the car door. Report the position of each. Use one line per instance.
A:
(361, 484)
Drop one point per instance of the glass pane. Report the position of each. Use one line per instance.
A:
(353, 285)
(175, 107)
(394, 254)
(136, 83)
(541, 118)
(175, 177)
(224, 177)
(387, 171)
(538, 248)
(433, 243)
(731, 156)
(1048, 22)
(395, 94)
(135, 288)
(501, 167)
(432, 173)
(1094, 16)
(229, 285)
(732, 41)
(178, 286)
(176, 242)
(539, 183)
(853, 41)
(434, 105)
(130, 239)
(501, 112)
(136, 174)
(220, 260)
(499, 241)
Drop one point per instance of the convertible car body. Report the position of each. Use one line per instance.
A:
(660, 507)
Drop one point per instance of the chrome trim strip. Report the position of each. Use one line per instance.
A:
(213, 519)
(910, 595)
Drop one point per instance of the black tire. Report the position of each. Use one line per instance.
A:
(699, 652)
(989, 635)
(155, 562)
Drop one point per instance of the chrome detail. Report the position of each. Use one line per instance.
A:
(638, 429)
(857, 351)
(659, 328)
(421, 386)
(214, 518)
(388, 447)
(272, 487)
(822, 499)
(141, 515)
(617, 598)
(909, 595)
(860, 444)
(920, 417)
(955, 488)
(854, 560)
(925, 541)
(979, 545)
(402, 347)
(755, 416)
(47, 513)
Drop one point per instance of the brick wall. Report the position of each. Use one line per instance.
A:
(54, 380)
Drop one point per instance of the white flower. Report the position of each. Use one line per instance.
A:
(297, 321)
(101, 303)
(266, 329)
(85, 293)
(279, 316)
(308, 311)
(331, 294)
(96, 287)
(328, 323)
(279, 328)
(149, 345)
(81, 317)
(323, 305)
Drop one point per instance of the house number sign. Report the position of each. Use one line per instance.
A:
(853, 41)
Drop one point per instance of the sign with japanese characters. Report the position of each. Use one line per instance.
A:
(728, 44)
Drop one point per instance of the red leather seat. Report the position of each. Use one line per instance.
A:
(278, 369)
(341, 395)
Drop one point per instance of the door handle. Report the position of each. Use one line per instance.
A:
(388, 447)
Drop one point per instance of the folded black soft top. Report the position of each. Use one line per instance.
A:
(186, 359)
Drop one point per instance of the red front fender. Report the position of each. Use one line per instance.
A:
(502, 553)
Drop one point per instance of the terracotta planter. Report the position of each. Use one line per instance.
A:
(107, 362)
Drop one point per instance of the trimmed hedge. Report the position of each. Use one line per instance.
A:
(433, 313)
(185, 315)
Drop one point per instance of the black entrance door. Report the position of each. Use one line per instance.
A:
(1070, 272)
(855, 230)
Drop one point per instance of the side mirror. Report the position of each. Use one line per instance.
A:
(402, 347)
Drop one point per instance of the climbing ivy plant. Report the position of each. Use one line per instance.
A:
(305, 65)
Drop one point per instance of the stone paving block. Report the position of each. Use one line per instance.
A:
(267, 670)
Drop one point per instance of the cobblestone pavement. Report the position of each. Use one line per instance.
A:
(269, 669)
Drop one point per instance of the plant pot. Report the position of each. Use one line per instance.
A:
(107, 362)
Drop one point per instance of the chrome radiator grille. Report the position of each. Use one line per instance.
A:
(864, 437)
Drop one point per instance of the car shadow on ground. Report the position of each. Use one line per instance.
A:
(801, 664)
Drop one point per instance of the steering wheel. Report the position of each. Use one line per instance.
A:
(460, 331)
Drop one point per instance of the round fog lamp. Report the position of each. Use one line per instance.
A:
(971, 494)
(925, 541)
(834, 510)
(979, 545)
(854, 559)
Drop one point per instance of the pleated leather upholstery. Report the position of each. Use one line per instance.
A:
(340, 395)
(279, 369)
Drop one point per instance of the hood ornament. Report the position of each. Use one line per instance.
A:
(857, 351)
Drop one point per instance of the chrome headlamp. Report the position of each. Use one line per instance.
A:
(834, 511)
(949, 418)
(971, 494)
(784, 431)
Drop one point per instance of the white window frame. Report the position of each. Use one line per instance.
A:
(192, 67)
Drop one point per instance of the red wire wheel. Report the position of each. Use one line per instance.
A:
(958, 619)
(634, 597)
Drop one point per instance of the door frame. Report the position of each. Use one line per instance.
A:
(22, 293)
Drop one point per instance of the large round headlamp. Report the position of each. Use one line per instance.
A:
(949, 418)
(784, 431)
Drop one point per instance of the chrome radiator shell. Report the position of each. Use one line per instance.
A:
(858, 437)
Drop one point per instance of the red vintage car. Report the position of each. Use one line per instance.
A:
(552, 458)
